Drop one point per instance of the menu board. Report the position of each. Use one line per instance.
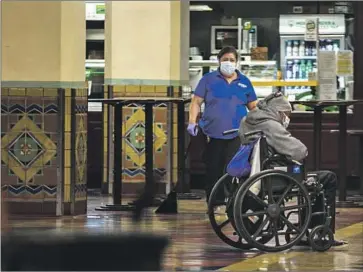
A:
(327, 75)
(95, 11)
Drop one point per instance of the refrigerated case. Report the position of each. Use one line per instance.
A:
(298, 57)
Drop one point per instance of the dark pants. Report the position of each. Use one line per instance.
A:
(217, 155)
(329, 181)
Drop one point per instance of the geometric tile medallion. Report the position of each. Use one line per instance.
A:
(81, 151)
(135, 137)
(27, 148)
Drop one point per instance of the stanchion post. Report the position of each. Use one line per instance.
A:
(117, 167)
(342, 153)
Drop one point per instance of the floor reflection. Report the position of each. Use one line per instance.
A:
(194, 246)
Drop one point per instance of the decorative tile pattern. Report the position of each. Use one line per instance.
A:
(29, 140)
(133, 134)
(80, 148)
(27, 148)
(30, 192)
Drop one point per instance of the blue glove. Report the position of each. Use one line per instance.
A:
(192, 129)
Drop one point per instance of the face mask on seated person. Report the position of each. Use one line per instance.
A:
(227, 68)
(286, 121)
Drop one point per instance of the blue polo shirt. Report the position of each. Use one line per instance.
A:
(225, 103)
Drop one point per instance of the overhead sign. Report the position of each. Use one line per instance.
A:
(311, 30)
(329, 24)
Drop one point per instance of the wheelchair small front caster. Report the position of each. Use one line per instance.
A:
(321, 238)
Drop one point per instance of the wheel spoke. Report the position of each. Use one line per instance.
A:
(270, 196)
(293, 207)
(288, 223)
(260, 228)
(257, 199)
(224, 224)
(254, 214)
(227, 190)
(276, 233)
(288, 189)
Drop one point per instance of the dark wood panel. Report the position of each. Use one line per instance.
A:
(95, 150)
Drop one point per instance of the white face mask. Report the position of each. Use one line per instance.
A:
(286, 122)
(227, 68)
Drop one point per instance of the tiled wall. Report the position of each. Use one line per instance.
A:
(33, 149)
(133, 157)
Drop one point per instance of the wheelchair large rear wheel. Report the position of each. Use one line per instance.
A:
(220, 212)
(272, 204)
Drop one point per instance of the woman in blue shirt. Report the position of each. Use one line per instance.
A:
(227, 94)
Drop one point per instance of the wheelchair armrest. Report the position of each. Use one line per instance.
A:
(296, 162)
(279, 157)
(253, 133)
(231, 131)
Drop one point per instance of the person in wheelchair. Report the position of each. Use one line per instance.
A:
(271, 116)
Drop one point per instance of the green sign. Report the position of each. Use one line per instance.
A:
(100, 9)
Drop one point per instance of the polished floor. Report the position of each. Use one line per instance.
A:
(194, 246)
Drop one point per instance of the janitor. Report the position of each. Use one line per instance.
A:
(226, 94)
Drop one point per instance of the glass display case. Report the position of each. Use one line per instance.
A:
(259, 71)
(95, 77)
(95, 74)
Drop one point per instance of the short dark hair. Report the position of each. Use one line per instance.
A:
(227, 50)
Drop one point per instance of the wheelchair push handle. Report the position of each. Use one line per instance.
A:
(231, 131)
(255, 132)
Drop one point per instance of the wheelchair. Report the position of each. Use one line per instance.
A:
(270, 210)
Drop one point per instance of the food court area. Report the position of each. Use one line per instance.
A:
(100, 170)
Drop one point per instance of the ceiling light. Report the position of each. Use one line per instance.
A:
(200, 8)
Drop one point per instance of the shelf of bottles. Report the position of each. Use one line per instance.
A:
(301, 59)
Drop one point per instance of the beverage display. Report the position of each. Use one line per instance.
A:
(299, 57)
(301, 60)
(300, 48)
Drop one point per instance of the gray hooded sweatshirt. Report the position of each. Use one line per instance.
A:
(267, 118)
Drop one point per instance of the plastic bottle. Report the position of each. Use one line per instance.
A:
(322, 45)
(295, 49)
(315, 67)
(329, 45)
(313, 50)
(307, 50)
(302, 70)
(302, 49)
(335, 46)
(289, 49)
(289, 70)
(309, 67)
(295, 70)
